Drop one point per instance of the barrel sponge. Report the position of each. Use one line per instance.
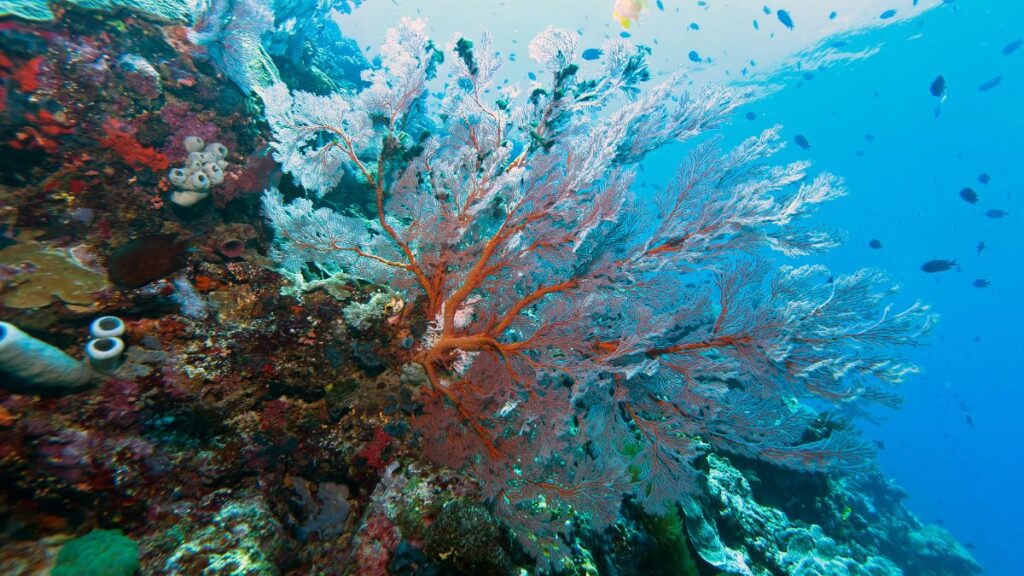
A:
(98, 553)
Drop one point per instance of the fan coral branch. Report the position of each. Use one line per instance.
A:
(574, 354)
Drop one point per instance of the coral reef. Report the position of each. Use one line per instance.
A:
(454, 356)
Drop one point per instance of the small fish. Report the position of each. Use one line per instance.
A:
(875, 243)
(147, 259)
(660, 5)
(6, 236)
(969, 195)
(981, 283)
(888, 14)
(1012, 47)
(996, 213)
(933, 266)
(984, 178)
(981, 247)
(986, 86)
(785, 18)
(627, 11)
(938, 87)
(694, 56)
(802, 141)
(751, 116)
(592, 53)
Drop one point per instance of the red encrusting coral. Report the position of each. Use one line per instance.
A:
(374, 449)
(27, 76)
(129, 150)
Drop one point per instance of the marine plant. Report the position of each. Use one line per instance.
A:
(583, 343)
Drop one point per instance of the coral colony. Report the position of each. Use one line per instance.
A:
(334, 322)
(569, 353)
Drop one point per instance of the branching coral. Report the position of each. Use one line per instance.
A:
(578, 349)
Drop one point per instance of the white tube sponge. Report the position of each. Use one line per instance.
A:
(37, 363)
(186, 198)
(194, 144)
(104, 354)
(106, 327)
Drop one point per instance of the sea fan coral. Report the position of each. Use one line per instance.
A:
(577, 352)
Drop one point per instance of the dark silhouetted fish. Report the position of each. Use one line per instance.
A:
(802, 141)
(147, 259)
(981, 246)
(938, 87)
(751, 115)
(6, 236)
(1012, 47)
(875, 243)
(984, 178)
(986, 86)
(969, 195)
(981, 283)
(785, 18)
(933, 266)
(888, 14)
(592, 53)
(996, 213)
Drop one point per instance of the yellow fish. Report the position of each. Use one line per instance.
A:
(627, 10)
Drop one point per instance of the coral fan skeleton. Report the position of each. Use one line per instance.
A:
(573, 353)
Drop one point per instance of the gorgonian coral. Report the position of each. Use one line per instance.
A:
(585, 344)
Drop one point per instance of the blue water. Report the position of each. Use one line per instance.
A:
(955, 444)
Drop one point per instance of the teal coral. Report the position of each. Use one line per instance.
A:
(172, 10)
(242, 539)
(760, 540)
(98, 553)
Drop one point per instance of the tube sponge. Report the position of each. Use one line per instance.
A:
(204, 168)
(106, 327)
(38, 364)
(104, 353)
